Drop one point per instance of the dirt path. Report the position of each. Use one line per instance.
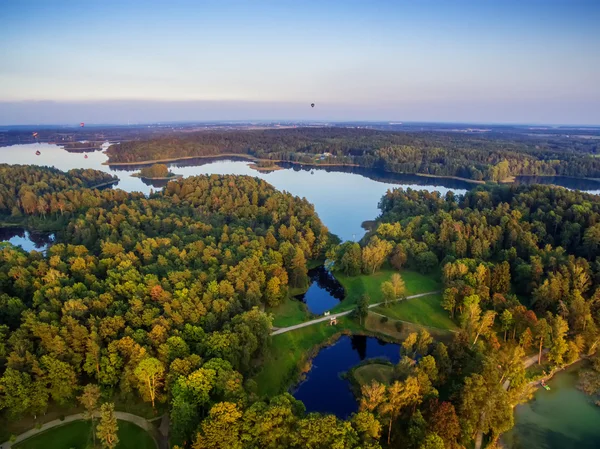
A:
(123, 416)
(283, 330)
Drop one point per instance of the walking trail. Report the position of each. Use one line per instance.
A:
(283, 330)
(159, 438)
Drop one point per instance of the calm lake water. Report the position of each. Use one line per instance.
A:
(324, 390)
(562, 418)
(324, 292)
(343, 197)
(29, 241)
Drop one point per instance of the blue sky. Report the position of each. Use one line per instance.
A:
(446, 60)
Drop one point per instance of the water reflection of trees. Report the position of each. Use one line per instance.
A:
(327, 282)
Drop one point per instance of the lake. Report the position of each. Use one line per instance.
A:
(29, 241)
(561, 418)
(324, 292)
(324, 390)
(344, 197)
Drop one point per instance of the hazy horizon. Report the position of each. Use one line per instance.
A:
(468, 61)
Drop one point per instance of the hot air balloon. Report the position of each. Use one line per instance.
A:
(312, 105)
(82, 124)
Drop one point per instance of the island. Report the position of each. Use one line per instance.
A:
(265, 166)
(156, 172)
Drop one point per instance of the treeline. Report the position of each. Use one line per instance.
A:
(168, 288)
(32, 190)
(489, 158)
(520, 267)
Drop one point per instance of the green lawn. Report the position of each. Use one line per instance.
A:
(287, 350)
(374, 371)
(78, 435)
(356, 286)
(291, 311)
(426, 311)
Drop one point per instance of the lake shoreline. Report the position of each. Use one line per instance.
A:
(276, 161)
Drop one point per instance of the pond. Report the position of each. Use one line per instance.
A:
(324, 390)
(29, 241)
(324, 292)
(344, 197)
(561, 418)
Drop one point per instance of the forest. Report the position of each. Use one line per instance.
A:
(475, 157)
(521, 273)
(162, 299)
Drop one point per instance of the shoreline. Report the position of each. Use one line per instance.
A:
(176, 159)
(166, 178)
(277, 161)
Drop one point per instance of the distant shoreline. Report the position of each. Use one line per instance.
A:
(160, 178)
(508, 180)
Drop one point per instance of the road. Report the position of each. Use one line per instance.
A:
(123, 416)
(283, 330)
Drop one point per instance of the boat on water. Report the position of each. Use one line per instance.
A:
(38, 152)
(546, 387)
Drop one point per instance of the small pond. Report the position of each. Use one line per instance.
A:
(29, 241)
(561, 418)
(324, 390)
(324, 292)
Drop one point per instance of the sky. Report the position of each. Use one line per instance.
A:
(477, 61)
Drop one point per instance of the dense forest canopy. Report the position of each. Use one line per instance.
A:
(476, 157)
(161, 299)
(520, 267)
(30, 190)
(174, 282)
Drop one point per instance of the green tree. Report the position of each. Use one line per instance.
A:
(108, 427)
(362, 307)
(507, 321)
(221, 430)
(89, 399)
(387, 292)
(150, 374)
(432, 441)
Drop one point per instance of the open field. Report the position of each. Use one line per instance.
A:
(291, 311)
(356, 286)
(375, 324)
(426, 311)
(78, 435)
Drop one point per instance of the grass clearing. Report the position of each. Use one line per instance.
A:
(356, 286)
(78, 435)
(291, 311)
(426, 311)
(375, 324)
(366, 374)
(288, 350)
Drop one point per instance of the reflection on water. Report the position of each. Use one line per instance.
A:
(29, 241)
(324, 390)
(324, 292)
(561, 418)
(585, 185)
(344, 197)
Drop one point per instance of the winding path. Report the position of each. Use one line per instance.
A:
(159, 440)
(283, 330)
